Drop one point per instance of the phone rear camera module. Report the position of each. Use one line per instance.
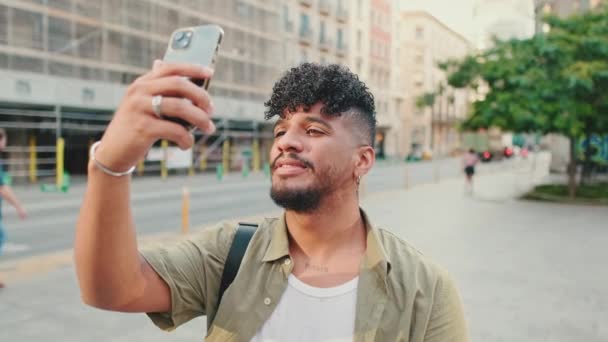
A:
(181, 39)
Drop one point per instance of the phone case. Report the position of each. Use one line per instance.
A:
(202, 46)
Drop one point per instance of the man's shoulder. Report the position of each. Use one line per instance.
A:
(408, 264)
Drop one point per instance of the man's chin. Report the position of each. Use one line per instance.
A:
(300, 199)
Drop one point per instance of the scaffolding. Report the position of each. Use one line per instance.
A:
(115, 41)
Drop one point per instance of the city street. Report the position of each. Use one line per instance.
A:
(527, 271)
(157, 204)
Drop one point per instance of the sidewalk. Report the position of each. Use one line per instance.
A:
(527, 271)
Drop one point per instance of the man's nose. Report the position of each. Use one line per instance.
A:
(290, 141)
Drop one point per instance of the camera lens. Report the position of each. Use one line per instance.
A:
(184, 43)
(181, 39)
(180, 35)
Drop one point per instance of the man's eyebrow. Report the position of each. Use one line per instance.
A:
(319, 121)
(279, 122)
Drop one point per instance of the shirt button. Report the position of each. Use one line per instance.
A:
(267, 301)
(287, 261)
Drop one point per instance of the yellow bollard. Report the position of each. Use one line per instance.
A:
(59, 161)
(185, 211)
(164, 145)
(33, 157)
(226, 155)
(255, 151)
(141, 167)
(203, 158)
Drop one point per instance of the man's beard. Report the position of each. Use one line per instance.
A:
(299, 200)
(303, 200)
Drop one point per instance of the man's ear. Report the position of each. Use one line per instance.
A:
(366, 158)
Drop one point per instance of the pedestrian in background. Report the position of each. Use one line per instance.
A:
(469, 161)
(6, 193)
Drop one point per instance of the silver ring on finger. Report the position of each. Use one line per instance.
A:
(156, 104)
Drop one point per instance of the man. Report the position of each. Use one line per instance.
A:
(320, 272)
(7, 193)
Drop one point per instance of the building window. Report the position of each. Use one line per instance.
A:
(304, 24)
(21, 63)
(138, 14)
(61, 69)
(23, 87)
(322, 35)
(242, 9)
(98, 75)
(87, 8)
(286, 19)
(340, 37)
(3, 61)
(88, 95)
(4, 24)
(89, 40)
(60, 36)
(27, 29)
(419, 32)
(65, 5)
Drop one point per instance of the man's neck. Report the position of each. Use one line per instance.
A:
(327, 245)
(330, 228)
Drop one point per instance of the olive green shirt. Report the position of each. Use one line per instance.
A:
(401, 295)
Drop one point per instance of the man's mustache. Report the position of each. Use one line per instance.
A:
(292, 156)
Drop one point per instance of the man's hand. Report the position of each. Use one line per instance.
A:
(135, 126)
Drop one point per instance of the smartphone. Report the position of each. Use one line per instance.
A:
(196, 45)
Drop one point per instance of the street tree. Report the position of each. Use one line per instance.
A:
(550, 83)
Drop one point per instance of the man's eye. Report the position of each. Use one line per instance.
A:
(312, 131)
(279, 133)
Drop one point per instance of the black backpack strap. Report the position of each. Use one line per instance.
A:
(237, 250)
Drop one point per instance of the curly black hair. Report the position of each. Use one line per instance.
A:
(335, 86)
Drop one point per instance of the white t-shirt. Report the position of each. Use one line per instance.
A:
(307, 313)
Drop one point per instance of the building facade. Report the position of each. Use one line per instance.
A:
(316, 31)
(425, 41)
(357, 34)
(380, 78)
(64, 65)
(568, 7)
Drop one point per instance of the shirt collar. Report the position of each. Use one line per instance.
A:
(375, 255)
(279, 243)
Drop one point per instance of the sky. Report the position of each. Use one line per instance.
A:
(476, 19)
